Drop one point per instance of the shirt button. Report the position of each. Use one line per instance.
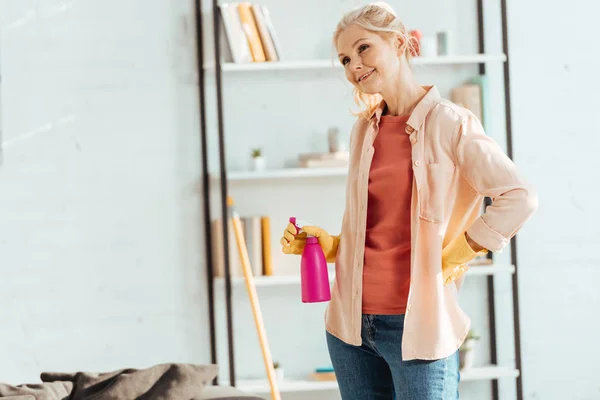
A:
(417, 163)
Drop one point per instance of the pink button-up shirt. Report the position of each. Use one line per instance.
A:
(455, 165)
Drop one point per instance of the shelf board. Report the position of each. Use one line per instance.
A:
(480, 270)
(487, 372)
(284, 173)
(281, 65)
(460, 59)
(273, 280)
(287, 385)
(282, 280)
(334, 64)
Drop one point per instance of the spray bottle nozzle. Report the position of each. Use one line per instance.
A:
(298, 223)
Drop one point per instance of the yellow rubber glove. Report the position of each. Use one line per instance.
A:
(455, 257)
(294, 242)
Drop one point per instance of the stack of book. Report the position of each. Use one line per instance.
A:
(250, 33)
(324, 160)
(324, 374)
(474, 96)
(257, 234)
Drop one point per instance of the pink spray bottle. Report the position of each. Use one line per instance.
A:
(313, 268)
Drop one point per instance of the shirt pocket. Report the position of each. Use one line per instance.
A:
(433, 194)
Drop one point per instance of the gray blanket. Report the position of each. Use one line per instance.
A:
(160, 382)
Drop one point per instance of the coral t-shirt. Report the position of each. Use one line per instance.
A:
(386, 271)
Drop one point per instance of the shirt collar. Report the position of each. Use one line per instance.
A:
(417, 117)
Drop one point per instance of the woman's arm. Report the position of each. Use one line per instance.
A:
(476, 248)
(491, 173)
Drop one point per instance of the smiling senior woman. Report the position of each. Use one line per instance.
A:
(420, 167)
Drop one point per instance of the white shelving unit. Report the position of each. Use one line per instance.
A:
(330, 64)
(282, 280)
(280, 70)
(486, 372)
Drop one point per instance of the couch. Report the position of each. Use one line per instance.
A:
(163, 381)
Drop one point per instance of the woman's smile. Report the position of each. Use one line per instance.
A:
(363, 77)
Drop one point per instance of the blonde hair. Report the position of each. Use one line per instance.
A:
(378, 17)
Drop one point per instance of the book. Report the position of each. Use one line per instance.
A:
(265, 36)
(324, 163)
(236, 37)
(324, 160)
(482, 81)
(250, 33)
(235, 261)
(468, 96)
(250, 28)
(338, 155)
(254, 235)
(323, 376)
(266, 246)
(271, 29)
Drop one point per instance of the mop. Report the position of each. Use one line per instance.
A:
(260, 327)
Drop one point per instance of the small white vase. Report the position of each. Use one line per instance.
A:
(279, 374)
(258, 163)
(467, 354)
(429, 46)
(467, 357)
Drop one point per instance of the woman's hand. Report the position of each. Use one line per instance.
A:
(456, 255)
(294, 242)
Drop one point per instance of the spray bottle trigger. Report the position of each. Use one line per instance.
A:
(298, 223)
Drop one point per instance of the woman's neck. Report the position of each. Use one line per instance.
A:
(404, 94)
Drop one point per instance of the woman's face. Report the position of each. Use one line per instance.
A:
(371, 62)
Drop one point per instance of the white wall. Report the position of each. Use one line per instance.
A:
(557, 136)
(101, 248)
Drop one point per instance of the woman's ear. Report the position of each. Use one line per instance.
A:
(400, 43)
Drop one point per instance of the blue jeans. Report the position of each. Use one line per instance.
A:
(375, 369)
